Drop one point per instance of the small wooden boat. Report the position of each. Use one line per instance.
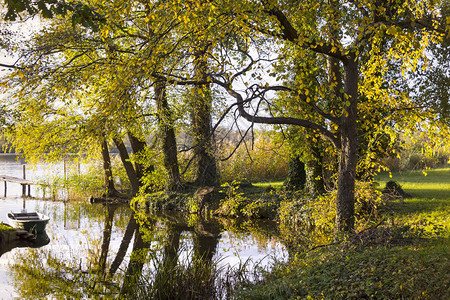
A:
(29, 221)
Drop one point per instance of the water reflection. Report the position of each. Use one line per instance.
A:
(9, 241)
(110, 250)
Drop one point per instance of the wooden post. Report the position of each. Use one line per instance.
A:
(24, 171)
(5, 188)
(29, 190)
(24, 188)
(65, 170)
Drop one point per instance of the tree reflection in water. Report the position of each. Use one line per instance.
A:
(160, 265)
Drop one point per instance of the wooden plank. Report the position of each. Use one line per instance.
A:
(15, 180)
(26, 214)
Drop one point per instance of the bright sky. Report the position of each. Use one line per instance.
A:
(21, 30)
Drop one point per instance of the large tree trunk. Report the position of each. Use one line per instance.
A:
(169, 144)
(129, 168)
(345, 200)
(204, 161)
(137, 146)
(315, 185)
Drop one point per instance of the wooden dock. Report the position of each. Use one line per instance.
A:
(26, 184)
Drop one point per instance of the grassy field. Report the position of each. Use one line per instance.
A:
(406, 257)
(435, 185)
(430, 196)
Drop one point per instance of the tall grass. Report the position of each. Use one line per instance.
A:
(193, 277)
(262, 160)
(80, 183)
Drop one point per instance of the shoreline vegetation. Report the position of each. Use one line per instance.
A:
(201, 100)
(404, 256)
(400, 248)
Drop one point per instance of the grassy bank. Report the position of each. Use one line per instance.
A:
(406, 257)
(430, 196)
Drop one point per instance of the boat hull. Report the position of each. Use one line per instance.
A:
(31, 222)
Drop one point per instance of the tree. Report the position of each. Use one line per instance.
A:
(80, 13)
(362, 65)
(88, 71)
(169, 144)
(141, 43)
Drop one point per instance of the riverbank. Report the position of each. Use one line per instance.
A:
(405, 256)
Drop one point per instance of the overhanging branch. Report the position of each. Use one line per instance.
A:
(276, 120)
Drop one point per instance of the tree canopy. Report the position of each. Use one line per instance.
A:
(338, 68)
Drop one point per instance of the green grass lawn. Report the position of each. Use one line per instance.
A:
(275, 184)
(434, 185)
(430, 196)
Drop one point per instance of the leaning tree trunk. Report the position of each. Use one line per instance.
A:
(109, 180)
(169, 144)
(138, 147)
(129, 168)
(345, 199)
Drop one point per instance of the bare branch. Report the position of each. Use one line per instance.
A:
(276, 120)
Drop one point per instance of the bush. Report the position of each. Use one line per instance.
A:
(413, 157)
(308, 222)
(235, 204)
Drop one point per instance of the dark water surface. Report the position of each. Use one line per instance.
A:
(95, 248)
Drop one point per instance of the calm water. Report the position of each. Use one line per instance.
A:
(94, 248)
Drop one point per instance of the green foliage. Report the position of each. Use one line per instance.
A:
(5, 227)
(305, 222)
(192, 205)
(155, 179)
(81, 13)
(235, 204)
(163, 200)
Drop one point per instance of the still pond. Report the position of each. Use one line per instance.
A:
(101, 250)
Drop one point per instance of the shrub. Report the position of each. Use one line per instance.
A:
(235, 204)
(308, 222)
